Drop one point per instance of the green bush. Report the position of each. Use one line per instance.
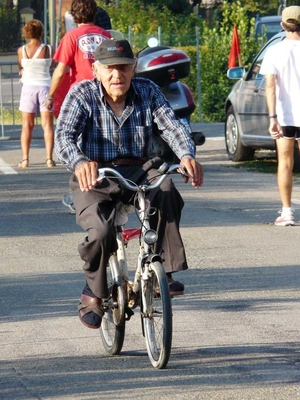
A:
(179, 31)
(214, 49)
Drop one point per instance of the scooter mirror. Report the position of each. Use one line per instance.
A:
(152, 42)
(117, 35)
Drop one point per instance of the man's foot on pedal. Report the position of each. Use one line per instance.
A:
(176, 287)
(90, 309)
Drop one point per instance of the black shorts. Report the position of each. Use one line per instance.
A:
(291, 132)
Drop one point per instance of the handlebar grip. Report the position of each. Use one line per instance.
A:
(163, 168)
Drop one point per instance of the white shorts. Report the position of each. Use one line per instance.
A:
(32, 97)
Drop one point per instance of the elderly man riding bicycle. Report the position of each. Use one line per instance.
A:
(109, 121)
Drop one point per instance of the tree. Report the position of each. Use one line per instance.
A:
(176, 6)
(179, 30)
(253, 7)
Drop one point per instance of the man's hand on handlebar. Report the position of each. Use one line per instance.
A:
(87, 174)
(194, 171)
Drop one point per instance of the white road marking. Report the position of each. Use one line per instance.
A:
(215, 138)
(6, 169)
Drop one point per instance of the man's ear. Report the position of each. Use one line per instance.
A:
(94, 70)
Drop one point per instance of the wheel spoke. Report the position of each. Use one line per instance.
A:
(157, 316)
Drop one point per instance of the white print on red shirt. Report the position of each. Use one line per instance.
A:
(88, 43)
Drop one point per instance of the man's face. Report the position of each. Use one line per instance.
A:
(115, 79)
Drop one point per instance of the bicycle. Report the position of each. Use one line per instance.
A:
(149, 289)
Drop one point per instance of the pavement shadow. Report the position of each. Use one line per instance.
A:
(56, 294)
(205, 288)
(32, 198)
(212, 368)
(191, 367)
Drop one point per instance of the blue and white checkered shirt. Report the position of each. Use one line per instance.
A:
(88, 130)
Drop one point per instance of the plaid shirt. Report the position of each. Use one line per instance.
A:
(88, 130)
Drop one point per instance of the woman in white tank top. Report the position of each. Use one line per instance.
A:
(35, 61)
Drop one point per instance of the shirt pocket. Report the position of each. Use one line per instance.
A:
(142, 137)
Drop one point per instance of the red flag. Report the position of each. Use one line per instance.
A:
(235, 49)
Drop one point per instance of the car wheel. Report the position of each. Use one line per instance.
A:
(235, 149)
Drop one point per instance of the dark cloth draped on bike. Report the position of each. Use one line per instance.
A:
(95, 212)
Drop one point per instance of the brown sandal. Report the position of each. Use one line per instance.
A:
(24, 163)
(90, 304)
(50, 163)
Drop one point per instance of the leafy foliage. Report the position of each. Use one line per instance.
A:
(262, 7)
(146, 18)
(215, 48)
(179, 31)
(9, 38)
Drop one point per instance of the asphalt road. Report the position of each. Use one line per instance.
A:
(235, 330)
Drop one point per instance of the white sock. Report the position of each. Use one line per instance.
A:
(286, 210)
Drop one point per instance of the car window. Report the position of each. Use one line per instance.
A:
(268, 30)
(255, 68)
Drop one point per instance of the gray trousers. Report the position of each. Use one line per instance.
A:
(95, 213)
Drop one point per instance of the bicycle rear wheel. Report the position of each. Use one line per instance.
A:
(157, 316)
(112, 330)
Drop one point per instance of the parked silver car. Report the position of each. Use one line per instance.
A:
(247, 122)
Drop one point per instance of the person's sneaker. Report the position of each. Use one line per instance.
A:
(287, 219)
(68, 202)
(176, 287)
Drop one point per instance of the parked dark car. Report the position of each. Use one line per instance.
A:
(247, 122)
(267, 27)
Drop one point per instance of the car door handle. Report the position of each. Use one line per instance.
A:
(256, 90)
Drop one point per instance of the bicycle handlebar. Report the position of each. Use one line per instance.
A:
(134, 187)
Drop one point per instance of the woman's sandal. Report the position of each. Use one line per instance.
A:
(90, 304)
(50, 163)
(24, 163)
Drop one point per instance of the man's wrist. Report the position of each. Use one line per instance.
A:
(273, 116)
(49, 97)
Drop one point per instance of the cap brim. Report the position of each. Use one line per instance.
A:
(291, 24)
(117, 61)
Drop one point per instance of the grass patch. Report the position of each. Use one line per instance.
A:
(266, 166)
(265, 163)
(11, 116)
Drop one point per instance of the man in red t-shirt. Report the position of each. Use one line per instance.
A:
(76, 51)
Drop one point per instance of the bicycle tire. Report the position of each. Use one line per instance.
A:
(112, 330)
(157, 316)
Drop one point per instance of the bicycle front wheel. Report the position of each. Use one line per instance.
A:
(157, 316)
(112, 330)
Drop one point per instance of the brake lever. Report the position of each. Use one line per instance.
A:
(183, 172)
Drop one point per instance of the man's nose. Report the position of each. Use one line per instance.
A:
(117, 72)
